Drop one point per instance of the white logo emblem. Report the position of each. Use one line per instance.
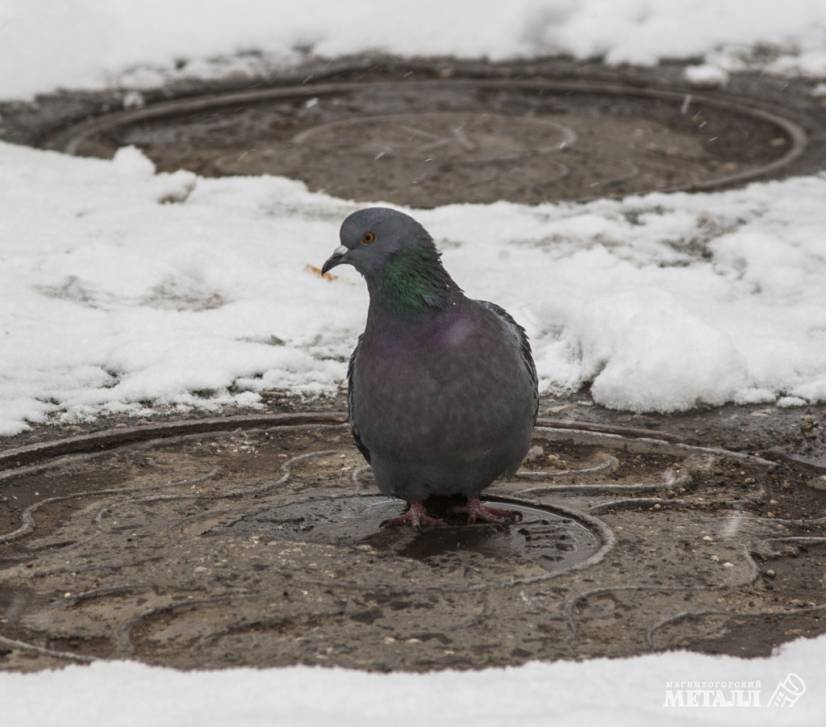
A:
(788, 691)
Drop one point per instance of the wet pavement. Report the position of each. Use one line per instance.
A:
(255, 539)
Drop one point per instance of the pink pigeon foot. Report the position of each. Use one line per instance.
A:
(415, 517)
(477, 512)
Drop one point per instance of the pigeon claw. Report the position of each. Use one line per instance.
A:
(414, 517)
(477, 512)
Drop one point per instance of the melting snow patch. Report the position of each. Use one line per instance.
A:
(676, 688)
(789, 401)
(706, 76)
(91, 44)
(111, 301)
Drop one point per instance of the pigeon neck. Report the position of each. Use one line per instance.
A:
(414, 280)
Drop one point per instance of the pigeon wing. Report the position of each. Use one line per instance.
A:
(350, 396)
(523, 342)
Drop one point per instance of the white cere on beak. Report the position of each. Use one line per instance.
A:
(341, 250)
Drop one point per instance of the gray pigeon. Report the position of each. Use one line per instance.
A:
(442, 389)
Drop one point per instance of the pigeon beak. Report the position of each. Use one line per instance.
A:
(335, 259)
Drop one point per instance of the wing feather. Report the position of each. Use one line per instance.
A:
(350, 396)
(524, 345)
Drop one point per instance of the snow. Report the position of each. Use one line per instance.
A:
(706, 75)
(122, 290)
(618, 692)
(48, 44)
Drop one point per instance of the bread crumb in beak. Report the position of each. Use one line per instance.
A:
(314, 270)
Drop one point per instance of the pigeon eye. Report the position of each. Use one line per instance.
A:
(369, 237)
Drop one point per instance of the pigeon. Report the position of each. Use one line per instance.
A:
(442, 389)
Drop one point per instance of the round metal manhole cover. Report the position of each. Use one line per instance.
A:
(255, 540)
(428, 143)
(552, 539)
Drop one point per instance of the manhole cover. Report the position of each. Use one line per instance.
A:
(428, 143)
(554, 540)
(254, 540)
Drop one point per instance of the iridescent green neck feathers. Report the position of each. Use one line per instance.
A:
(414, 280)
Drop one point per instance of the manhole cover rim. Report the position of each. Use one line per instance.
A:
(69, 139)
(19, 460)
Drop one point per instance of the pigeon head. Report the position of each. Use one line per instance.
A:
(397, 258)
(371, 237)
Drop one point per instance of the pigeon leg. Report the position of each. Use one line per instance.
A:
(415, 516)
(477, 512)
